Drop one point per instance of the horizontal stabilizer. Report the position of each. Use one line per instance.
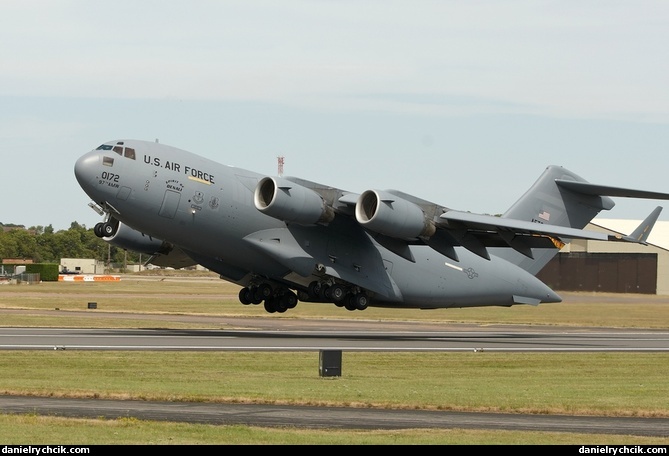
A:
(587, 188)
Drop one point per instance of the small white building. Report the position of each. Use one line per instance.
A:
(81, 266)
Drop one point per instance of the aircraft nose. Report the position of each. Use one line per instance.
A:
(85, 170)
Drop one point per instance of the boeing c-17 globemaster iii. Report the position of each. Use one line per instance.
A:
(286, 240)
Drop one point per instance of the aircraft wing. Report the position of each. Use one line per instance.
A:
(478, 232)
(521, 235)
(477, 223)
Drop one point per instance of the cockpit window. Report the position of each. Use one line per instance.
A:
(108, 161)
(119, 148)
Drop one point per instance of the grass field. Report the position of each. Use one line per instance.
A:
(633, 384)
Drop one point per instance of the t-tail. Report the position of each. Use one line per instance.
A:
(561, 198)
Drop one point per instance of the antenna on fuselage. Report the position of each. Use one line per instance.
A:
(280, 165)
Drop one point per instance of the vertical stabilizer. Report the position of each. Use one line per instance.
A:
(562, 198)
(548, 202)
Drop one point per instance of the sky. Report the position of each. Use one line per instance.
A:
(463, 103)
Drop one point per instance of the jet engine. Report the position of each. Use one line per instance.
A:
(392, 216)
(128, 238)
(290, 202)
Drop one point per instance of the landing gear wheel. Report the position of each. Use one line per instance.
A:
(279, 305)
(254, 296)
(108, 229)
(263, 291)
(337, 293)
(314, 290)
(244, 296)
(289, 299)
(269, 306)
(98, 230)
(361, 301)
(325, 293)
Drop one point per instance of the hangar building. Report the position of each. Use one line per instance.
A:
(615, 267)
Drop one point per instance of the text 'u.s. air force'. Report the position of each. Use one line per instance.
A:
(174, 166)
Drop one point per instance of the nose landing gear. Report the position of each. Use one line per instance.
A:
(104, 229)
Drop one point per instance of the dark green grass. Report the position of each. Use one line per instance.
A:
(620, 384)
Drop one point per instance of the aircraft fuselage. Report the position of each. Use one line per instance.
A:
(207, 210)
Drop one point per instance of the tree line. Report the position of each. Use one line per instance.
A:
(45, 245)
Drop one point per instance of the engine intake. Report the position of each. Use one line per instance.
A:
(291, 202)
(392, 216)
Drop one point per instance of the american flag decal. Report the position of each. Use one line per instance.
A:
(543, 215)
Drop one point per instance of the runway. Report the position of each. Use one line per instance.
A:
(350, 335)
(313, 335)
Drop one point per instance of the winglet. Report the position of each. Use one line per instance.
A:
(642, 232)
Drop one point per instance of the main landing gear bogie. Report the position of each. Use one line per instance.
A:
(278, 300)
(339, 294)
(282, 299)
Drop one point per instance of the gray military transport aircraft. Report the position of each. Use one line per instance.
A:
(285, 240)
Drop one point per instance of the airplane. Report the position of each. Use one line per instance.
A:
(286, 240)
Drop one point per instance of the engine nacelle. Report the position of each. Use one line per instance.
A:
(130, 239)
(291, 202)
(392, 216)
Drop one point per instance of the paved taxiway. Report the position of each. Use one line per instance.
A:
(329, 417)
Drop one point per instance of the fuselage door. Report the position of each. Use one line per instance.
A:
(170, 203)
